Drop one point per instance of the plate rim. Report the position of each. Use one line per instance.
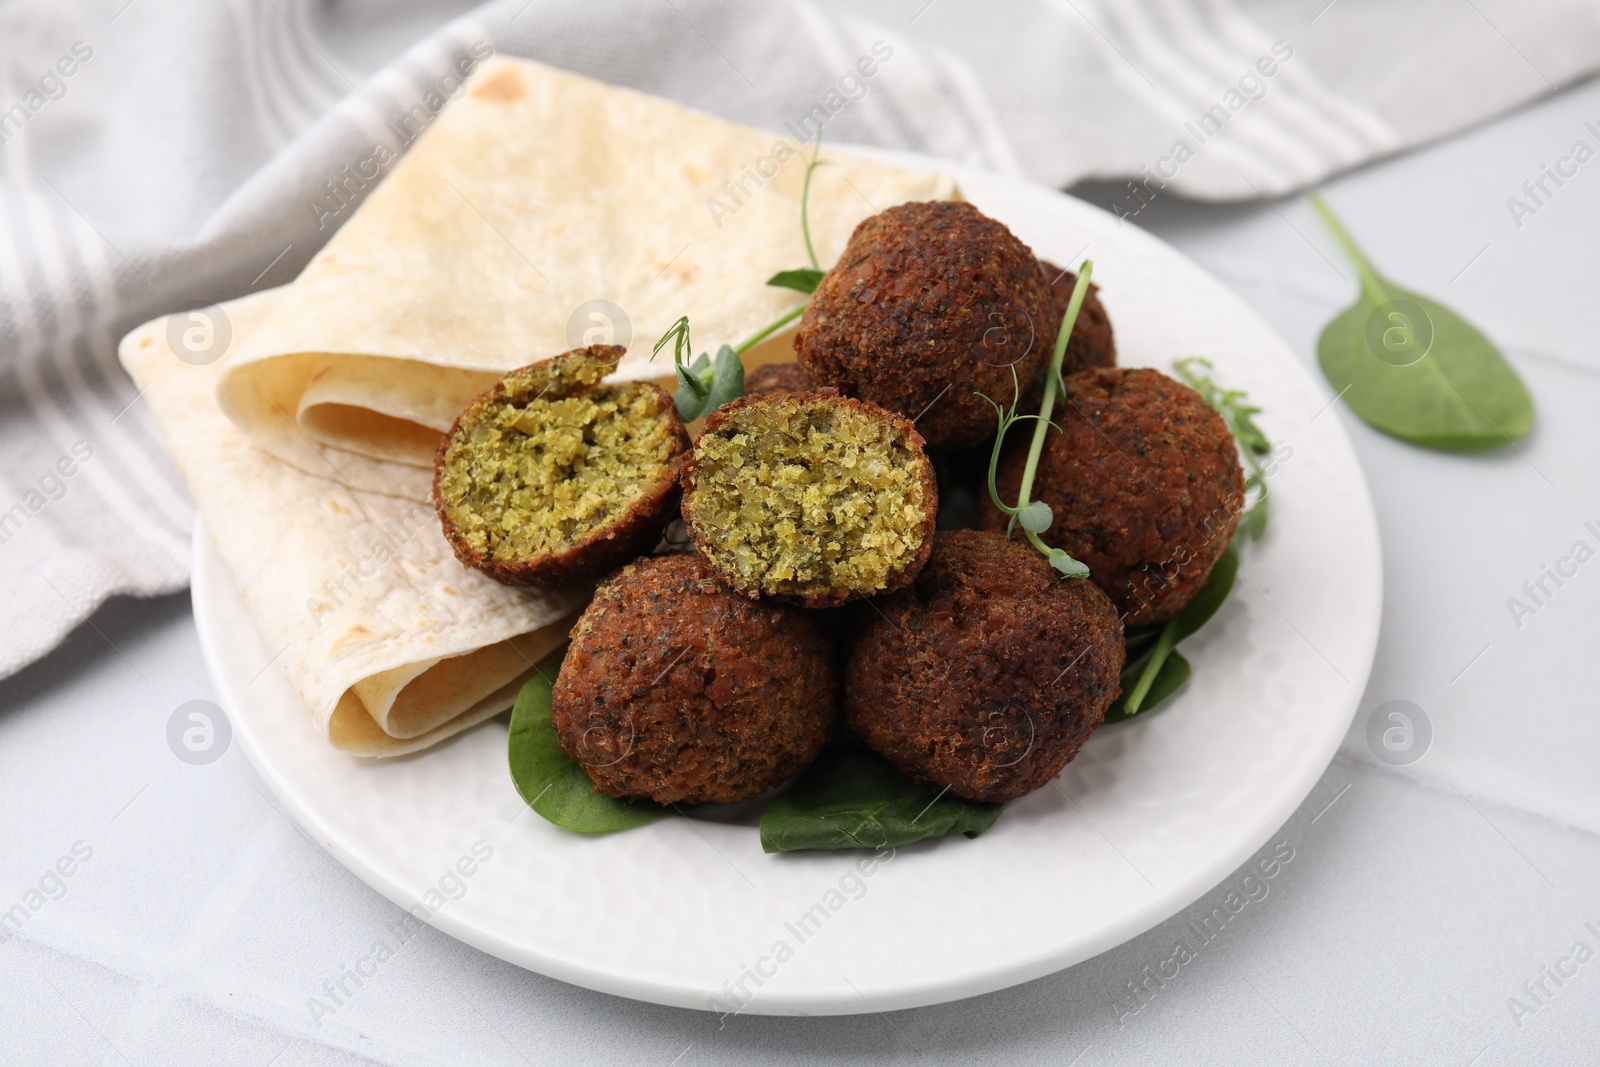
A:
(906, 993)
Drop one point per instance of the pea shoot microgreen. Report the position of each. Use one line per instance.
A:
(769, 329)
(705, 384)
(804, 279)
(1034, 516)
(805, 200)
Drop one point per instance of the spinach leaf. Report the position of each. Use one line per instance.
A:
(549, 780)
(1172, 673)
(1416, 370)
(1205, 603)
(1154, 669)
(804, 280)
(853, 798)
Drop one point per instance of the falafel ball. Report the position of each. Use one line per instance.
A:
(987, 674)
(931, 305)
(1144, 483)
(1092, 343)
(772, 378)
(814, 498)
(551, 477)
(678, 690)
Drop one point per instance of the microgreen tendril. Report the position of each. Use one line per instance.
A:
(705, 384)
(803, 280)
(769, 329)
(1034, 516)
(678, 334)
(805, 198)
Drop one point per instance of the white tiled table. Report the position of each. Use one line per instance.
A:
(1418, 902)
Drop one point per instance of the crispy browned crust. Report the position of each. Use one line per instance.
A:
(1144, 482)
(834, 598)
(1092, 343)
(930, 305)
(986, 675)
(632, 535)
(678, 690)
(777, 378)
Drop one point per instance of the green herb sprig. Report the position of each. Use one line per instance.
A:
(801, 279)
(705, 384)
(1034, 516)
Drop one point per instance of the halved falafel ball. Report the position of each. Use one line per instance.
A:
(772, 378)
(1091, 343)
(678, 690)
(551, 477)
(930, 305)
(988, 673)
(817, 499)
(1144, 482)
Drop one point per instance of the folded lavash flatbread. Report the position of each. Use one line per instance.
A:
(392, 644)
(531, 195)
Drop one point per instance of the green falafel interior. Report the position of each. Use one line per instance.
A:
(815, 498)
(553, 458)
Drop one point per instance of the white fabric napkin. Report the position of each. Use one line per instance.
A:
(161, 156)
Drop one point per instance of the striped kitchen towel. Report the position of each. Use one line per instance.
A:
(158, 155)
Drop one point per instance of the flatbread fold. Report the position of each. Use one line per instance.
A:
(529, 211)
(391, 643)
(533, 194)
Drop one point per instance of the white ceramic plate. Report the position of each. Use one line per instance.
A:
(1152, 814)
